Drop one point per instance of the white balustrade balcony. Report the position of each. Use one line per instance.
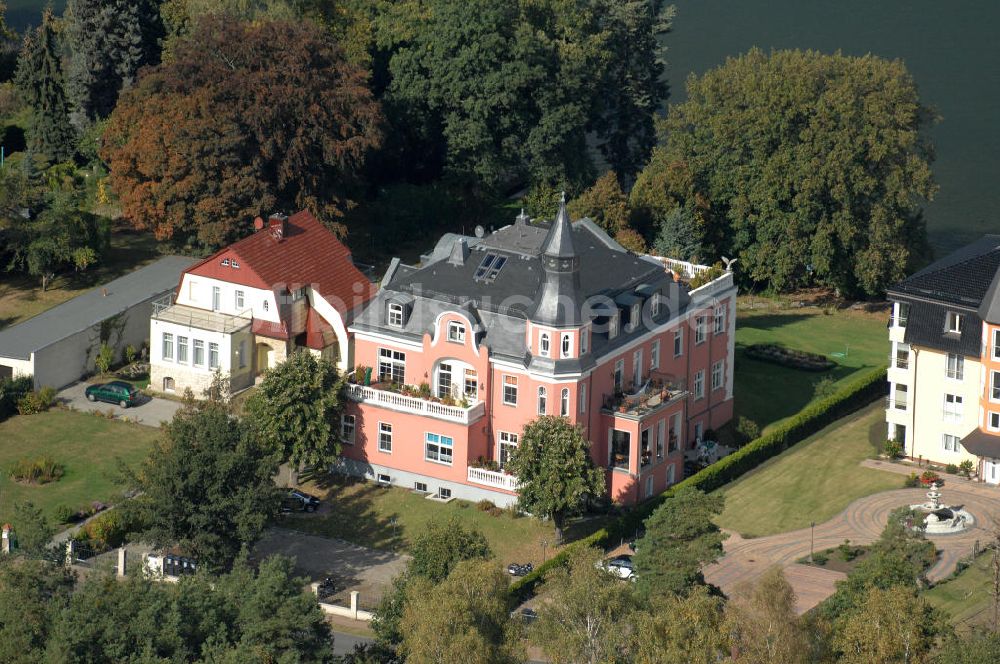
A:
(415, 405)
(492, 478)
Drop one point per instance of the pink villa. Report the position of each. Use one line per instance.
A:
(454, 356)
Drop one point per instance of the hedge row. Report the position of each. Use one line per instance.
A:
(806, 422)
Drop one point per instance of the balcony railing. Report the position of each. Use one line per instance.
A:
(492, 478)
(657, 390)
(898, 362)
(895, 403)
(415, 405)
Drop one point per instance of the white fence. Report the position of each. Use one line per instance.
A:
(492, 478)
(415, 405)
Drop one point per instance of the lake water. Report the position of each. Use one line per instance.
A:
(951, 48)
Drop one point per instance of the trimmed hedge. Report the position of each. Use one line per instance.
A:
(800, 426)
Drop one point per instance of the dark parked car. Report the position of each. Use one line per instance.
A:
(300, 501)
(116, 391)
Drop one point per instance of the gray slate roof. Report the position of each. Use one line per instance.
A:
(84, 311)
(503, 306)
(982, 444)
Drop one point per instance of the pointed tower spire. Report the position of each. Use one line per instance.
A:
(558, 302)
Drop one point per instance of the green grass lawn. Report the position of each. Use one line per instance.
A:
(88, 446)
(363, 513)
(813, 481)
(966, 597)
(767, 393)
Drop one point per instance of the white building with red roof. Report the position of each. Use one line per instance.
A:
(292, 284)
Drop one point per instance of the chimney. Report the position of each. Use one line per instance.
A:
(276, 223)
(104, 292)
(258, 223)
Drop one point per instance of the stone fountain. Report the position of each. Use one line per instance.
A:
(942, 519)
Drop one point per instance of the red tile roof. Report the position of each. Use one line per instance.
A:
(307, 254)
(269, 329)
(319, 333)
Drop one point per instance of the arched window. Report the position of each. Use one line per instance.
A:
(541, 400)
(565, 345)
(564, 403)
(543, 344)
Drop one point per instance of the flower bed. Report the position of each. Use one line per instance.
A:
(789, 357)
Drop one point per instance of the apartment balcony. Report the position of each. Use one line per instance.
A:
(895, 403)
(658, 391)
(201, 319)
(492, 479)
(392, 400)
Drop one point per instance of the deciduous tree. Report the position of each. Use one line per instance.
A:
(605, 203)
(975, 648)
(208, 488)
(890, 625)
(296, 410)
(804, 159)
(762, 625)
(554, 470)
(32, 594)
(681, 538)
(465, 618)
(243, 119)
(587, 612)
(679, 629)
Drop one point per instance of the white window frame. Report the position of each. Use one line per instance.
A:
(958, 372)
(564, 402)
(717, 375)
(678, 342)
(385, 437)
(635, 316)
(661, 438)
(613, 321)
(954, 441)
(182, 344)
(654, 305)
(954, 404)
(720, 318)
(953, 323)
(239, 300)
(348, 429)
(197, 348)
(456, 332)
(637, 367)
(544, 344)
(470, 383)
(393, 360)
(167, 348)
(213, 355)
(699, 385)
(542, 400)
(566, 346)
(505, 439)
(440, 446)
(996, 344)
(700, 330)
(216, 298)
(394, 315)
(994, 386)
(619, 374)
(654, 354)
(509, 381)
(993, 421)
(267, 304)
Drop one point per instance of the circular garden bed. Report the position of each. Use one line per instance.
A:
(789, 357)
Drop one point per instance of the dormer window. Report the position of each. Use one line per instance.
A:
(234, 264)
(395, 315)
(456, 332)
(566, 345)
(543, 345)
(613, 325)
(634, 315)
(953, 323)
(654, 305)
(225, 262)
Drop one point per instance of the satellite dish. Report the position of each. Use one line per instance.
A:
(480, 231)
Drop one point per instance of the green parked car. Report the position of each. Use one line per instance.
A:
(116, 391)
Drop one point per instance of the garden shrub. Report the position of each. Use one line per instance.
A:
(820, 558)
(912, 481)
(46, 397)
(893, 449)
(107, 530)
(966, 468)
(37, 471)
(485, 505)
(63, 513)
(28, 404)
(747, 429)
(11, 392)
(951, 469)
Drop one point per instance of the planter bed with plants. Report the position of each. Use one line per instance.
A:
(789, 357)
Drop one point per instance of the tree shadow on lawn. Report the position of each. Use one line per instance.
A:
(348, 512)
(771, 321)
(766, 392)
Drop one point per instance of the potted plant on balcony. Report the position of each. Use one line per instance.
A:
(424, 390)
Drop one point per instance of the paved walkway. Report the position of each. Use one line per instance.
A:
(862, 522)
(150, 411)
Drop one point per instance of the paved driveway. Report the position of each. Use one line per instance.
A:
(149, 411)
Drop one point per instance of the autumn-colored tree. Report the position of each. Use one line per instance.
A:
(762, 624)
(891, 625)
(243, 119)
(605, 203)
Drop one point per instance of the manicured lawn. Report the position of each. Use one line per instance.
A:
(22, 297)
(966, 597)
(767, 393)
(363, 513)
(88, 446)
(813, 481)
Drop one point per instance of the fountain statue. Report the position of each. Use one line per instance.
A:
(942, 519)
